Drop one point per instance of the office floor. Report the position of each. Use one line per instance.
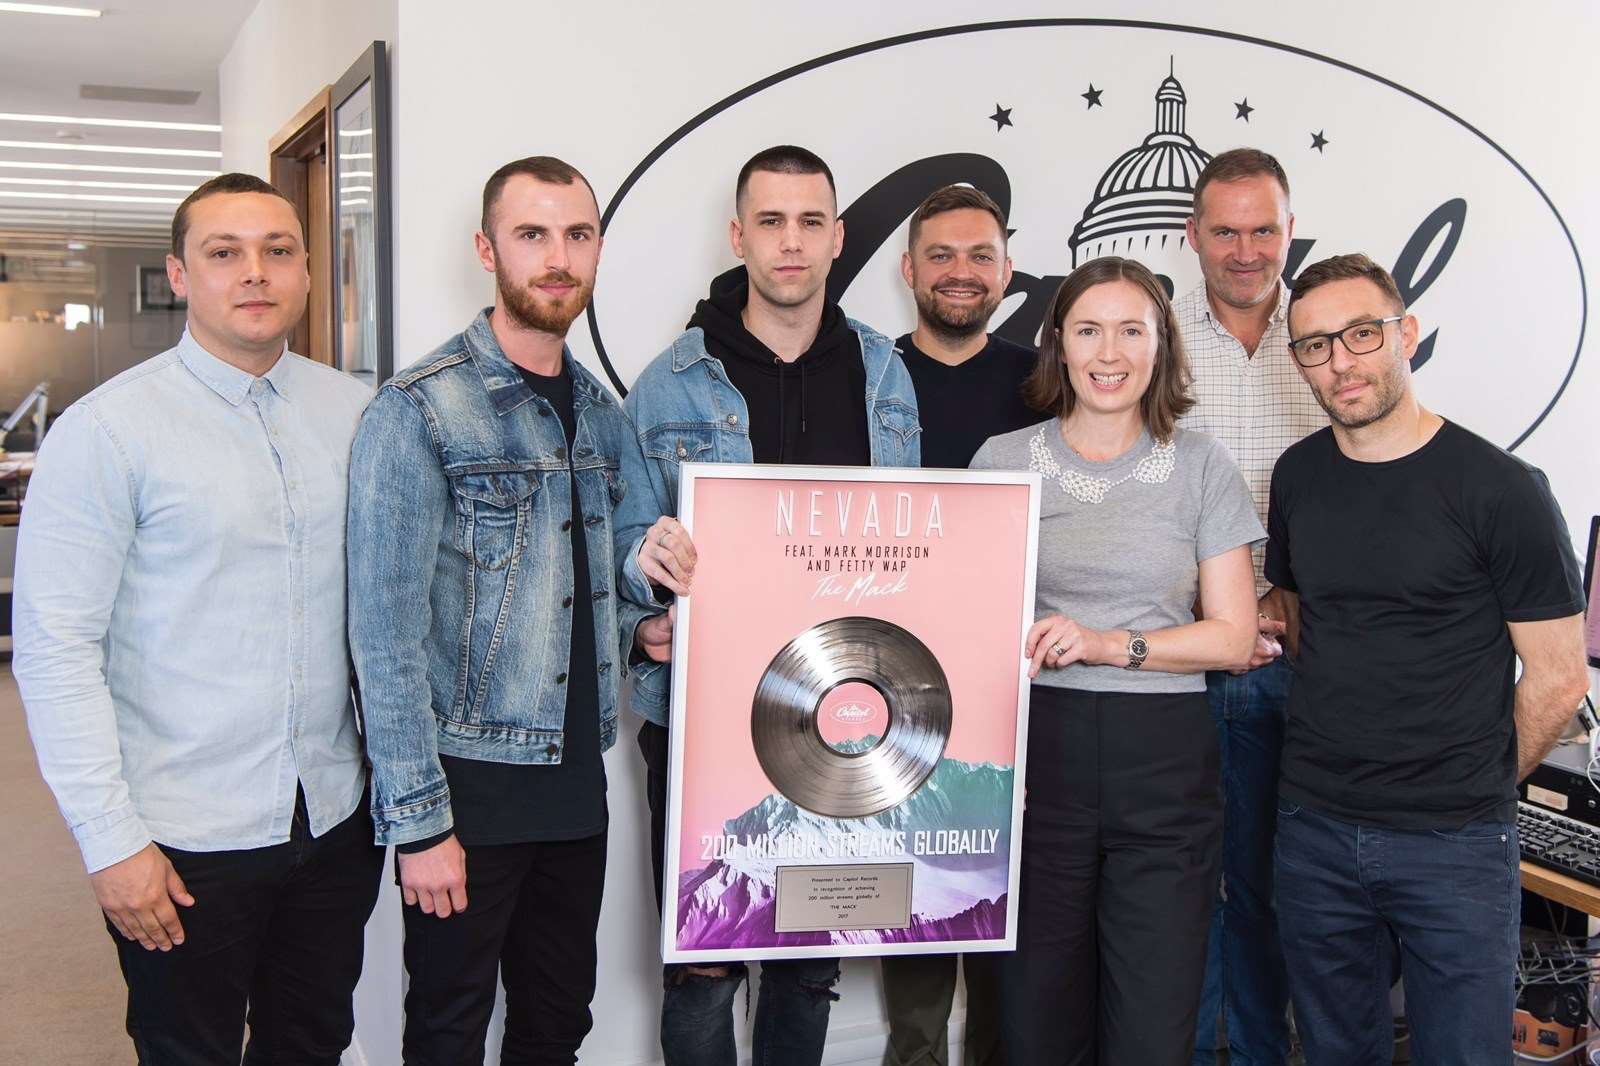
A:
(61, 996)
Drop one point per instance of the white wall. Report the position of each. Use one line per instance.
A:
(286, 51)
(602, 84)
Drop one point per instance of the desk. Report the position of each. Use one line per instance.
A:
(1569, 891)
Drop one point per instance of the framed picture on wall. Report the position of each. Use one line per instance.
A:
(153, 292)
(359, 151)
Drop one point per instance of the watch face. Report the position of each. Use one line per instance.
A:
(1139, 647)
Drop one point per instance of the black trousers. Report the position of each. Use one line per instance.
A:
(1121, 848)
(532, 911)
(275, 936)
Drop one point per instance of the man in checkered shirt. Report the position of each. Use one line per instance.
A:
(1249, 396)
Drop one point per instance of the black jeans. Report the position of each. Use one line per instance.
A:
(275, 933)
(1121, 846)
(791, 1026)
(532, 911)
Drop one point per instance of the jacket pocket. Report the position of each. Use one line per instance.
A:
(673, 444)
(898, 426)
(492, 512)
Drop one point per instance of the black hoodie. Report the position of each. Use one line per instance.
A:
(812, 411)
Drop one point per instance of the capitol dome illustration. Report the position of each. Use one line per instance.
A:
(1146, 196)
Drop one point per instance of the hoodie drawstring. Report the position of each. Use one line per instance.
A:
(783, 434)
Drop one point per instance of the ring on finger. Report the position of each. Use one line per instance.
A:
(1058, 650)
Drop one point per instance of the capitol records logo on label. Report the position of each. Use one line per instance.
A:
(1093, 143)
(852, 713)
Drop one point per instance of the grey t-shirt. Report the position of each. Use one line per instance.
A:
(1131, 560)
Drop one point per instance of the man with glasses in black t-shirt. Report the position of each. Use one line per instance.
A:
(969, 388)
(1419, 563)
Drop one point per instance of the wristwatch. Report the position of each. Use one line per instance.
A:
(1138, 648)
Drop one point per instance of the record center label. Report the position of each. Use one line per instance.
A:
(852, 717)
(822, 898)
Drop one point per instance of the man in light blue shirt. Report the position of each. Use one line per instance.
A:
(180, 648)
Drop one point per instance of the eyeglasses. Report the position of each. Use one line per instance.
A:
(1358, 338)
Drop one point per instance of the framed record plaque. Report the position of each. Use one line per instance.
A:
(849, 712)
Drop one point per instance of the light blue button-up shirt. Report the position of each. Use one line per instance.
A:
(179, 607)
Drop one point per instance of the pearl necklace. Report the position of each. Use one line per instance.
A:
(1153, 469)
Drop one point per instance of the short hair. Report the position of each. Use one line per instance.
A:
(1344, 268)
(1236, 164)
(955, 198)
(225, 183)
(1049, 389)
(545, 168)
(782, 159)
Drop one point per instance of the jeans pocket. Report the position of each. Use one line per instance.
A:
(1485, 832)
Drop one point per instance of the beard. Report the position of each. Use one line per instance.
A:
(1387, 390)
(532, 310)
(957, 323)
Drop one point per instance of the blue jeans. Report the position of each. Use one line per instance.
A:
(1347, 893)
(1244, 963)
(697, 1009)
(791, 1014)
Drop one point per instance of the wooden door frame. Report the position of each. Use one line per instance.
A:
(289, 152)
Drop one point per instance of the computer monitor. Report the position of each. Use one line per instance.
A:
(1591, 588)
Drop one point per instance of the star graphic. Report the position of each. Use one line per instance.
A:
(1242, 109)
(1318, 141)
(1093, 96)
(1001, 117)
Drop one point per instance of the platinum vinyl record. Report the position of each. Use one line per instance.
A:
(829, 778)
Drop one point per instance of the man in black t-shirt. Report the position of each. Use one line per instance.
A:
(498, 509)
(1419, 563)
(969, 388)
(969, 381)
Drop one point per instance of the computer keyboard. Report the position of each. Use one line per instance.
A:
(1558, 842)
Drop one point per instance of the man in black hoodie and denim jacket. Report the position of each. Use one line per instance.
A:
(769, 371)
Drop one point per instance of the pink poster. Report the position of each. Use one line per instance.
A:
(849, 712)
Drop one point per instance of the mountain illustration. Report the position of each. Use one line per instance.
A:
(731, 902)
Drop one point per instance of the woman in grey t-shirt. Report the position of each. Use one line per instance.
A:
(1139, 520)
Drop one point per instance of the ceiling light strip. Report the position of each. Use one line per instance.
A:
(51, 9)
(97, 184)
(131, 123)
(114, 149)
(106, 168)
(88, 196)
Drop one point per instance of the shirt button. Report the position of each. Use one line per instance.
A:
(733, 420)
(561, 679)
(545, 411)
(566, 601)
(566, 525)
(682, 452)
(561, 453)
(552, 749)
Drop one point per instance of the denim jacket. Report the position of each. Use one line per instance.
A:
(686, 410)
(460, 568)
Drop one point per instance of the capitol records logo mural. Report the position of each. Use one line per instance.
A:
(1091, 133)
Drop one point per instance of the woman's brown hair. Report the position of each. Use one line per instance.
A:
(1048, 389)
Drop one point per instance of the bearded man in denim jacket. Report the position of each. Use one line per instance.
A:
(770, 371)
(498, 500)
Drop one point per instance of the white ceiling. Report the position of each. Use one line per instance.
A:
(146, 44)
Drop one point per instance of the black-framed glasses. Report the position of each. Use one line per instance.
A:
(1358, 338)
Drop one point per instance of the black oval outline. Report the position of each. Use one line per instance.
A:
(1035, 23)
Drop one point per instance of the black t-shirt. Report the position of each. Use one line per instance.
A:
(505, 803)
(962, 406)
(1407, 573)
